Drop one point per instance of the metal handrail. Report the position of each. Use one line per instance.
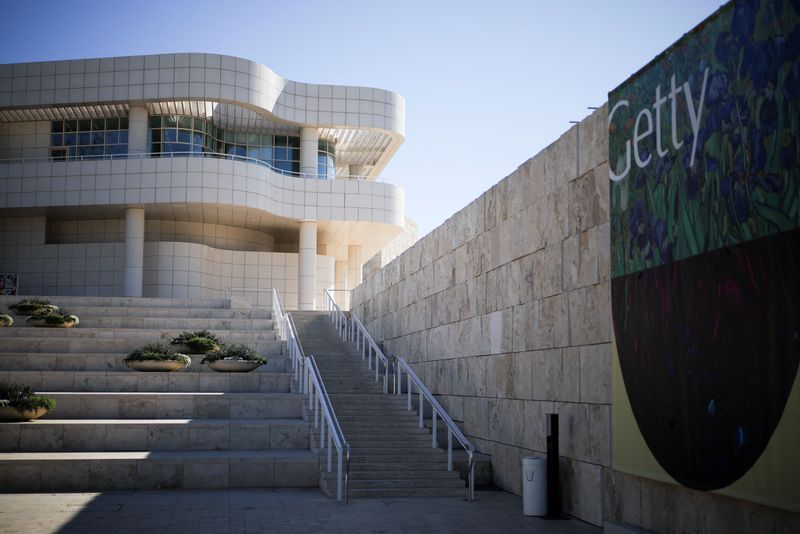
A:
(215, 155)
(436, 409)
(319, 401)
(353, 330)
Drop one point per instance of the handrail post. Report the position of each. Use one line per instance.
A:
(449, 449)
(433, 427)
(330, 449)
(421, 410)
(339, 475)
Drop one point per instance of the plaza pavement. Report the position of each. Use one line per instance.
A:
(273, 511)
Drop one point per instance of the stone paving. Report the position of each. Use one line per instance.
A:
(273, 511)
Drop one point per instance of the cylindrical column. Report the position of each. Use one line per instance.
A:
(307, 266)
(137, 130)
(134, 252)
(357, 170)
(309, 146)
(353, 266)
(340, 284)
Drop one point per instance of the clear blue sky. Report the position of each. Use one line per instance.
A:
(487, 84)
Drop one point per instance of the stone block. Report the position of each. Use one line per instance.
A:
(9, 437)
(208, 436)
(159, 474)
(126, 437)
(587, 207)
(252, 473)
(542, 325)
(593, 139)
(561, 158)
(250, 437)
(595, 373)
(152, 381)
(604, 252)
(174, 407)
(22, 475)
(206, 473)
(88, 381)
(167, 437)
(65, 475)
(212, 407)
(116, 475)
(520, 282)
(296, 473)
(137, 408)
(546, 266)
(476, 417)
(534, 429)
(622, 497)
(590, 315)
(122, 382)
(600, 434)
(477, 372)
(291, 436)
(581, 490)
(34, 437)
(84, 438)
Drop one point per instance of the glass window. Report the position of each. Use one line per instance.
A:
(184, 136)
(170, 121)
(112, 124)
(84, 138)
(123, 123)
(294, 141)
(155, 122)
(241, 138)
(98, 124)
(123, 137)
(197, 138)
(280, 140)
(294, 154)
(170, 135)
(57, 127)
(112, 138)
(281, 153)
(266, 140)
(85, 125)
(71, 126)
(70, 138)
(98, 138)
(185, 122)
(56, 140)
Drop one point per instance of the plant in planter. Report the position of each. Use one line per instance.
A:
(156, 357)
(6, 320)
(31, 306)
(54, 318)
(199, 342)
(235, 358)
(20, 403)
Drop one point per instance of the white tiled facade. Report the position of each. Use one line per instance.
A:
(214, 225)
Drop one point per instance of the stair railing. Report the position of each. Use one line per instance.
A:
(400, 367)
(320, 403)
(318, 396)
(288, 333)
(353, 330)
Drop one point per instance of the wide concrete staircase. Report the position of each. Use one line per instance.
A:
(115, 428)
(390, 455)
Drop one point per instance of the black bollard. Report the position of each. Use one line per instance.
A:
(553, 485)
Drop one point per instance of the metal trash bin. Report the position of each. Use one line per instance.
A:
(534, 485)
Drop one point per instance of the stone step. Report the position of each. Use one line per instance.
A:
(101, 471)
(135, 334)
(381, 464)
(395, 449)
(53, 435)
(393, 475)
(126, 302)
(375, 493)
(86, 312)
(175, 323)
(368, 419)
(157, 405)
(412, 459)
(398, 442)
(412, 483)
(106, 345)
(59, 361)
(177, 381)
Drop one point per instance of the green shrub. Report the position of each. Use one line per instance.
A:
(235, 352)
(6, 320)
(29, 306)
(52, 315)
(157, 352)
(200, 341)
(22, 398)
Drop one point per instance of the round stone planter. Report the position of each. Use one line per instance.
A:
(9, 414)
(186, 349)
(154, 365)
(234, 366)
(41, 323)
(26, 311)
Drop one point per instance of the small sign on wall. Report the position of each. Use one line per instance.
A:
(8, 284)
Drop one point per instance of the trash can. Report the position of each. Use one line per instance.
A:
(534, 485)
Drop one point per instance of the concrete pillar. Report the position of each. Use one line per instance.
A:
(341, 294)
(309, 146)
(134, 252)
(357, 170)
(354, 265)
(307, 266)
(137, 130)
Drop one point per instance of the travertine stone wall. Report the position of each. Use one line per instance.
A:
(504, 312)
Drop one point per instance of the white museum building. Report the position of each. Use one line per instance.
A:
(191, 176)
